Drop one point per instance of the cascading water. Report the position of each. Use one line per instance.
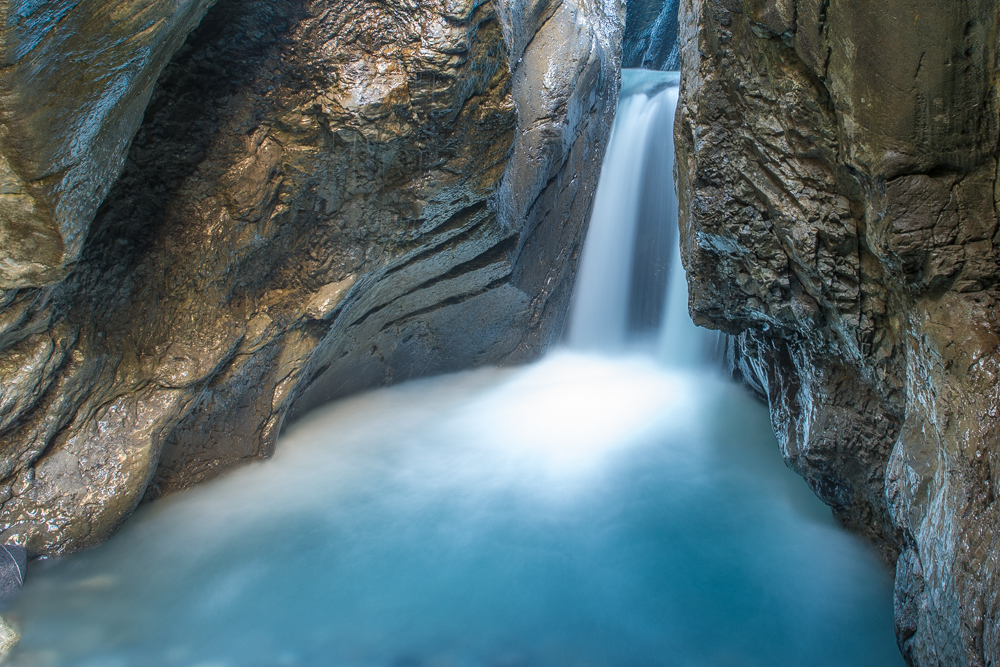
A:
(631, 290)
(619, 289)
(586, 510)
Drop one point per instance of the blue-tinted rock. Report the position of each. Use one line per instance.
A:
(13, 561)
(650, 39)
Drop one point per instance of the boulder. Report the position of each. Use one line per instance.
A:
(323, 197)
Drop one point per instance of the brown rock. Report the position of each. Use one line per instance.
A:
(359, 193)
(75, 80)
(838, 190)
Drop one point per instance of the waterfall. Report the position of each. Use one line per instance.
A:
(619, 291)
(681, 344)
(631, 289)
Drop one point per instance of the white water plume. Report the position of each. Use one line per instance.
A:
(582, 511)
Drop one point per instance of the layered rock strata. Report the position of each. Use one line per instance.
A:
(839, 191)
(355, 192)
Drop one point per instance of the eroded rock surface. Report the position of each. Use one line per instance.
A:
(650, 37)
(75, 78)
(355, 192)
(839, 189)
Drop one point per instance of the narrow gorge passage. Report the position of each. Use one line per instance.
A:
(618, 503)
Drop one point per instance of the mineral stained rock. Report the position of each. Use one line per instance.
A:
(321, 192)
(839, 190)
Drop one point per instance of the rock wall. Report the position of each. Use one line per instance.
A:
(75, 78)
(650, 38)
(322, 192)
(839, 189)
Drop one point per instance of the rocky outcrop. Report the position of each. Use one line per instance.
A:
(75, 78)
(321, 192)
(650, 38)
(839, 191)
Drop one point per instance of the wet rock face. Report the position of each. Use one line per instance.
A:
(326, 193)
(75, 78)
(650, 38)
(839, 195)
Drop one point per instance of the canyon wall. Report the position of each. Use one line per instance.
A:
(321, 196)
(838, 176)
(650, 37)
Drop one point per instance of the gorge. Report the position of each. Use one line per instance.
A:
(596, 508)
(217, 217)
(327, 193)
